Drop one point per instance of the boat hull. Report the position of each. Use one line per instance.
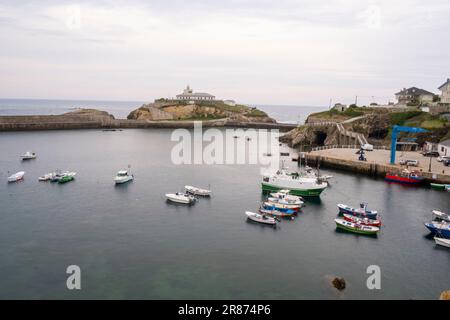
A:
(437, 186)
(442, 242)
(440, 231)
(356, 213)
(402, 180)
(341, 226)
(267, 187)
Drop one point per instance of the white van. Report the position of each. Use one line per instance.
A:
(367, 147)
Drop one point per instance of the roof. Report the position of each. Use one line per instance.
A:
(446, 82)
(195, 94)
(445, 143)
(414, 91)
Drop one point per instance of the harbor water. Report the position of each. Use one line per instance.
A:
(131, 243)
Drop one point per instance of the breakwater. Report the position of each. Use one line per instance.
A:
(369, 168)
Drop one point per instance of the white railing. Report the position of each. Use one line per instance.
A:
(351, 146)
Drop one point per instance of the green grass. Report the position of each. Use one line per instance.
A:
(256, 113)
(399, 118)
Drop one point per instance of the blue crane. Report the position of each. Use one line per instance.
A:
(395, 131)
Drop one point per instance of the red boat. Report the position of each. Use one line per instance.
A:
(364, 221)
(405, 177)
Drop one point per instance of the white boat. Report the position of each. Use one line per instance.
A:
(442, 242)
(28, 155)
(180, 197)
(281, 206)
(197, 191)
(16, 176)
(58, 174)
(46, 177)
(284, 194)
(447, 188)
(285, 201)
(439, 215)
(123, 176)
(298, 185)
(261, 218)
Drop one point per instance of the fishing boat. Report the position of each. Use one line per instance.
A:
(298, 185)
(66, 178)
(180, 197)
(285, 202)
(364, 221)
(285, 195)
(16, 176)
(261, 218)
(405, 177)
(440, 216)
(28, 155)
(58, 174)
(437, 186)
(123, 176)
(439, 228)
(282, 207)
(362, 211)
(271, 211)
(356, 227)
(442, 242)
(197, 191)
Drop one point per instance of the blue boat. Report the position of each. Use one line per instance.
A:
(273, 208)
(362, 211)
(441, 229)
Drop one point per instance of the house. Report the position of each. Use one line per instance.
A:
(424, 109)
(340, 107)
(414, 96)
(190, 95)
(445, 92)
(444, 147)
(231, 103)
(430, 146)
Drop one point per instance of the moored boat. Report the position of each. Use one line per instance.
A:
(28, 155)
(272, 211)
(365, 221)
(180, 197)
(442, 229)
(16, 176)
(66, 178)
(362, 211)
(356, 227)
(281, 207)
(261, 218)
(440, 216)
(442, 242)
(447, 188)
(298, 185)
(123, 176)
(197, 191)
(45, 177)
(285, 195)
(405, 177)
(437, 186)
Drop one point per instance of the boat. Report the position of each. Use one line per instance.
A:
(123, 176)
(297, 185)
(45, 177)
(285, 195)
(356, 227)
(285, 202)
(437, 186)
(16, 176)
(441, 229)
(447, 188)
(197, 191)
(28, 155)
(261, 218)
(271, 211)
(66, 178)
(362, 211)
(442, 242)
(364, 221)
(180, 197)
(405, 177)
(282, 207)
(58, 174)
(440, 216)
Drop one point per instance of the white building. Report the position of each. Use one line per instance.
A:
(340, 107)
(414, 95)
(190, 95)
(445, 92)
(444, 148)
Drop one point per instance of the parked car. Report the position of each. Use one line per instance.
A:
(409, 162)
(430, 154)
(442, 158)
(367, 147)
(446, 162)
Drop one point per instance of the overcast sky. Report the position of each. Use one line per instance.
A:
(255, 51)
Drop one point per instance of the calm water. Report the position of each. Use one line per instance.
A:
(121, 109)
(130, 243)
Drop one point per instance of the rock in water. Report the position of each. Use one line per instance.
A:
(445, 295)
(339, 283)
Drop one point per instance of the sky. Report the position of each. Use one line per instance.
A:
(254, 51)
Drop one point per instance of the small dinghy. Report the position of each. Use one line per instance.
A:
(197, 191)
(442, 229)
(123, 176)
(442, 242)
(356, 227)
(28, 155)
(437, 186)
(362, 211)
(16, 176)
(45, 177)
(261, 218)
(271, 211)
(440, 216)
(180, 197)
(364, 221)
(282, 207)
(284, 194)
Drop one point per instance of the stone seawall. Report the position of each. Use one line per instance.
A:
(369, 168)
